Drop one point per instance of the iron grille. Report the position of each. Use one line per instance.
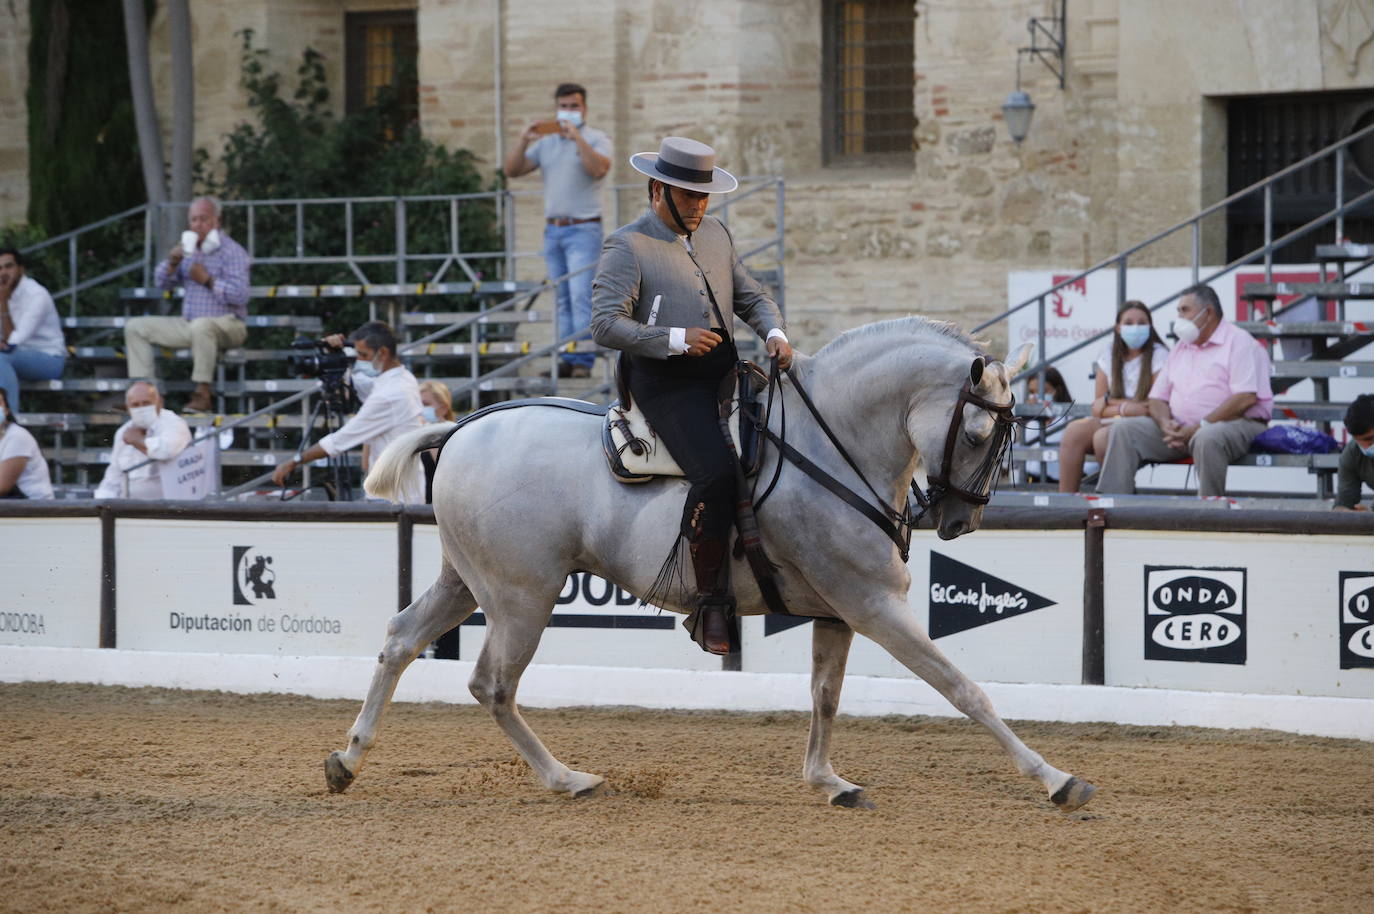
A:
(870, 80)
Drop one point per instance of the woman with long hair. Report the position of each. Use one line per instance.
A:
(1126, 369)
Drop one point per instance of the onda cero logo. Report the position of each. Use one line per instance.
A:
(1357, 619)
(254, 579)
(1195, 614)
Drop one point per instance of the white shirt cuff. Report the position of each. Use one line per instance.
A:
(677, 340)
(775, 333)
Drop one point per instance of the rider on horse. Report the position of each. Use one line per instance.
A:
(666, 292)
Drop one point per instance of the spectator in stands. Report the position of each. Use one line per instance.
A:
(31, 343)
(437, 401)
(1058, 392)
(1209, 401)
(575, 159)
(1126, 370)
(151, 432)
(1357, 460)
(391, 405)
(213, 268)
(23, 471)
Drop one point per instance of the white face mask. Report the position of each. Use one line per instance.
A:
(366, 369)
(572, 117)
(1186, 330)
(1135, 335)
(189, 240)
(143, 416)
(430, 416)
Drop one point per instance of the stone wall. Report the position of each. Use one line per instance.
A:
(14, 123)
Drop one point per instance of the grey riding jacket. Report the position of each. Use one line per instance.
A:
(645, 260)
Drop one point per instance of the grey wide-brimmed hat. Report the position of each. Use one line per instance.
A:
(685, 163)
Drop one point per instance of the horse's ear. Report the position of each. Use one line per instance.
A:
(1017, 361)
(975, 371)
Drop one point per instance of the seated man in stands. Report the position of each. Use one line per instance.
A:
(152, 432)
(391, 406)
(31, 343)
(213, 268)
(1209, 401)
(1357, 460)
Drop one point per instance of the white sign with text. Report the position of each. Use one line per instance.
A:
(50, 569)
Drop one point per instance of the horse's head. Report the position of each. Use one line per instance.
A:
(962, 438)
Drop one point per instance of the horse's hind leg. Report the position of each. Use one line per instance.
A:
(830, 640)
(896, 630)
(446, 604)
(510, 644)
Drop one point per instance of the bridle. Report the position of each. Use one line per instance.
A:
(977, 490)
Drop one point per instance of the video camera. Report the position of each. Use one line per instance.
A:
(317, 359)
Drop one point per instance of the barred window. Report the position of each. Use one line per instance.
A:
(869, 70)
(380, 55)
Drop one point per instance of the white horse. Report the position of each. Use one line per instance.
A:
(523, 497)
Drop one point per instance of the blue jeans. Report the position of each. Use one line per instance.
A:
(21, 364)
(568, 248)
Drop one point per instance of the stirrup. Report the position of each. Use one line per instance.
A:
(711, 624)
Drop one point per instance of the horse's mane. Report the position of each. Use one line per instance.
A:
(918, 326)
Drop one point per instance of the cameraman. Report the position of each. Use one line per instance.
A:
(390, 405)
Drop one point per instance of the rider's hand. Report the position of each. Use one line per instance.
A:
(778, 348)
(701, 341)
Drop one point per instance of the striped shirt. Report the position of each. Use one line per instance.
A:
(228, 265)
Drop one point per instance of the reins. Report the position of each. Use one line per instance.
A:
(897, 525)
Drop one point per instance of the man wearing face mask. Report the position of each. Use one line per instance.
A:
(213, 269)
(666, 292)
(1209, 401)
(390, 406)
(574, 158)
(151, 432)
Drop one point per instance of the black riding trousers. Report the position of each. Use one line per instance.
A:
(679, 400)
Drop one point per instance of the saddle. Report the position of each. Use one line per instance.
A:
(635, 454)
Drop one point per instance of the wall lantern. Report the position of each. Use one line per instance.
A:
(1018, 107)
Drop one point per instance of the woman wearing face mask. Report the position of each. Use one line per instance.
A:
(436, 401)
(1125, 371)
(23, 471)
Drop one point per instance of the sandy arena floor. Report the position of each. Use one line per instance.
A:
(148, 799)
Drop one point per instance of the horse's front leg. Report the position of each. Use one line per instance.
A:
(893, 625)
(446, 604)
(830, 640)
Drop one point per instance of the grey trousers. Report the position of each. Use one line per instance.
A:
(1136, 439)
(205, 335)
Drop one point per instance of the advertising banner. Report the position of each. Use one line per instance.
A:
(1003, 605)
(1239, 612)
(594, 622)
(255, 587)
(50, 581)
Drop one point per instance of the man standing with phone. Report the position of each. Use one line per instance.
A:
(575, 159)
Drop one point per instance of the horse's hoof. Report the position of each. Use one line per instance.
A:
(581, 785)
(1074, 794)
(336, 775)
(595, 790)
(852, 799)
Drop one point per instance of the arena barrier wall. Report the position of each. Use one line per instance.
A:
(1191, 615)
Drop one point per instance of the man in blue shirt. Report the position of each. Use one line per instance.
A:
(575, 159)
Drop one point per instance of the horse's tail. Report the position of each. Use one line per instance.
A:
(396, 466)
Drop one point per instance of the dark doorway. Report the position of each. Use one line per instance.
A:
(1267, 133)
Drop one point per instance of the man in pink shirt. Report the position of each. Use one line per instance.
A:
(1208, 402)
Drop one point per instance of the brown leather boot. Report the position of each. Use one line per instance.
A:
(710, 624)
(200, 401)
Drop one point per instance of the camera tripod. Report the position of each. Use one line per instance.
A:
(336, 399)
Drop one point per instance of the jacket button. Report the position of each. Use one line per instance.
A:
(701, 291)
(698, 272)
